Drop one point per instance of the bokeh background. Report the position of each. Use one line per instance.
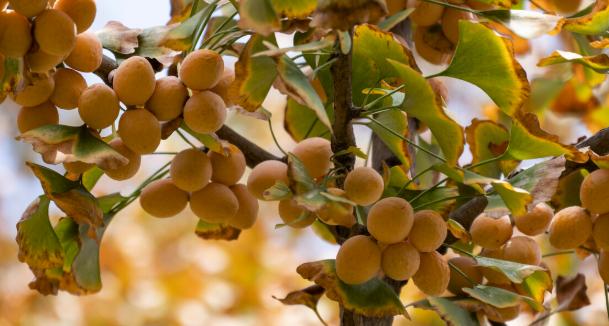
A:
(157, 272)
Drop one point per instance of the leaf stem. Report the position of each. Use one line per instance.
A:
(450, 5)
(440, 201)
(458, 270)
(559, 253)
(206, 17)
(428, 190)
(488, 161)
(186, 139)
(275, 137)
(377, 100)
(418, 175)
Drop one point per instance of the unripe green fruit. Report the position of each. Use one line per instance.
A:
(140, 131)
(428, 231)
(489, 232)
(594, 192)
(204, 112)
(358, 260)
(433, 274)
(227, 169)
(467, 266)
(295, 215)
(128, 170)
(87, 54)
(248, 208)
(55, 32)
(98, 106)
(570, 228)
(134, 81)
(202, 69)
(32, 117)
(364, 186)
(315, 154)
(168, 98)
(69, 85)
(161, 198)
(390, 220)
(536, 221)
(215, 203)
(265, 175)
(400, 261)
(190, 170)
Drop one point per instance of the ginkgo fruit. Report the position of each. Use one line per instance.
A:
(523, 250)
(563, 6)
(364, 186)
(395, 6)
(535, 221)
(264, 175)
(491, 233)
(248, 208)
(28, 8)
(426, 14)
(82, 12)
(337, 213)
(77, 168)
(41, 62)
(215, 203)
(400, 261)
(37, 90)
(315, 153)
(459, 266)
(55, 32)
(204, 112)
(202, 69)
(603, 265)
(191, 170)
(134, 81)
(428, 231)
(168, 98)
(98, 106)
(358, 260)
(228, 168)
(570, 228)
(600, 231)
(161, 198)
(69, 85)
(87, 53)
(594, 192)
(494, 276)
(390, 220)
(32, 117)
(433, 274)
(140, 130)
(450, 23)
(128, 170)
(295, 215)
(223, 85)
(15, 34)
(432, 45)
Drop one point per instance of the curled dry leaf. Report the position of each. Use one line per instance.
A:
(308, 297)
(119, 38)
(210, 231)
(571, 292)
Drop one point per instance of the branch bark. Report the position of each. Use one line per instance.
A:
(253, 153)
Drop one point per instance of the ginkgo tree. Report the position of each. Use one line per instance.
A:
(403, 210)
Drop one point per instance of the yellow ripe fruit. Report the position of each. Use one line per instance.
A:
(82, 12)
(467, 266)
(426, 14)
(98, 106)
(77, 168)
(428, 231)
(491, 233)
(400, 261)
(204, 112)
(248, 208)
(315, 154)
(128, 170)
(161, 198)
(603, 266)
(490, 274)
(3, 4)
(358, 260)
(265, 175)
(522, 249)
(69, 85)
(364, 186)
(536, 221)
(395, 6)
(28, 8)
(55, 32)
(15, 34)
(570, 228)
(600, 231)
(87, 53)
(334, 213)
(227, 169)
(202, 69)
(33, 117)
(37, 91)
(432, 45)
(223, 85)
(433, 274)
(390, 220)
(215, 203)
(450, 23)
(168, 98)
(594, 192)
(134, 81)
(140, 131)
(292, 214)
(190, 170)
(41, 62)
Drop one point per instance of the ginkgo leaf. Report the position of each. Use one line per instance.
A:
(398, 123)
(593, 23)
(308, 297)
(253, 76)
(487, 139)
(119, 38)
(294, 9)
(451, 312)
(213, 231)
(301, 122)
(12, 74)
(524, 23)
(296, 85)
(424, 104)
(536, 285)
(210, 141)
(516, 272)
(374, 298)
(599, 63)
(567, 191)
(58, 144)
(259, 16)
(392, 21)
(500, 298)
(486, 60)
(515, 199)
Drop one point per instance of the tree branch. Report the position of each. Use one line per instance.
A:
(253, 153)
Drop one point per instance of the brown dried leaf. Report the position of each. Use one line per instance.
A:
(119, 38)
(571, 293)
